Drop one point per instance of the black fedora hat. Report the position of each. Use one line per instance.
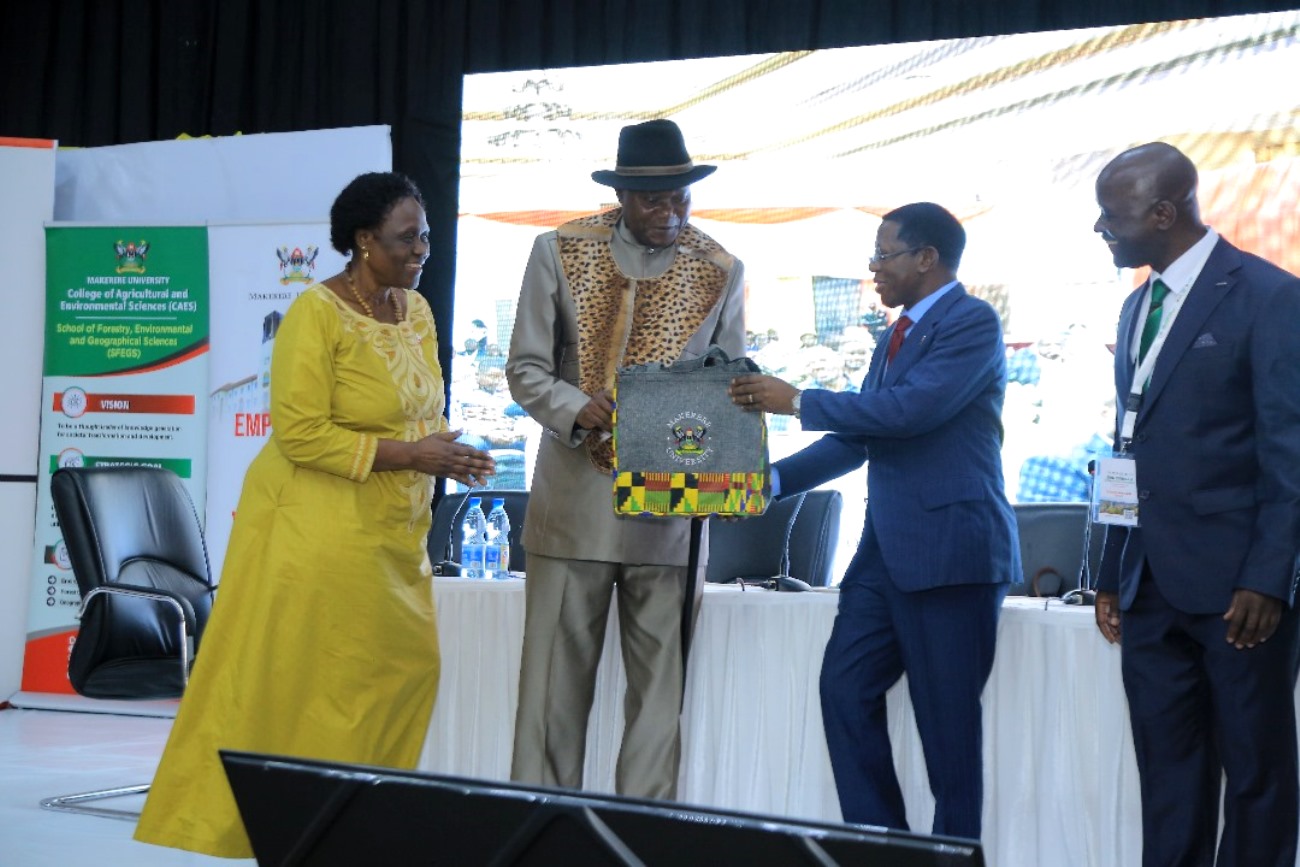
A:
(652, 156)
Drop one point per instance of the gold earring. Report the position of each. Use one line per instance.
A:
(365, 254)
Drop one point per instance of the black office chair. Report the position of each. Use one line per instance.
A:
(449, 511)
(1051, 547)
(138, 553)
(794, 538)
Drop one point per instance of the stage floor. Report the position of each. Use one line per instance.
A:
(48, 753)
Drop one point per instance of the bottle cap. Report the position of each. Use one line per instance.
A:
(498, 501)
(271, 324)
(475, 501)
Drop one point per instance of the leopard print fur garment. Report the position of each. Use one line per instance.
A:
(624, 321)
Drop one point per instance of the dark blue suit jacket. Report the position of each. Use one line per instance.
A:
(1217, 442)
(931, 427)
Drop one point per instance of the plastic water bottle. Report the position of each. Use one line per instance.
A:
(473, 534)
(497, 556)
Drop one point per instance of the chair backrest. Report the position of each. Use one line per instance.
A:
(1051, 547)
(449, 511)
(753, 547)
(131, 530)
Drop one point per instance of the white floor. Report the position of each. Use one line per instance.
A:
(45, 753)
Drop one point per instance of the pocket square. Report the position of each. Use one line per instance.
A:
(1204, 341)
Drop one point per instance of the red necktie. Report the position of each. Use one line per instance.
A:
(896, 338)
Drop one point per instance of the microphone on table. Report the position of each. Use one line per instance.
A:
(448, 567)
(786, 581)
(1085, 594)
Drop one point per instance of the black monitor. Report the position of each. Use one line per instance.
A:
(317, 814)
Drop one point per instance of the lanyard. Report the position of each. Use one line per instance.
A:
(1142, 375)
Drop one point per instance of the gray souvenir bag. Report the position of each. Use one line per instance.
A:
(681, 447)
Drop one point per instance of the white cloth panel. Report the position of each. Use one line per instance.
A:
(1061, 785)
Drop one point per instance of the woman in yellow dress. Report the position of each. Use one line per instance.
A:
(322, 642)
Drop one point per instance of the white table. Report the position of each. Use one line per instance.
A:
(1060, 780)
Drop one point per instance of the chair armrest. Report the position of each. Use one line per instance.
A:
(179, 602)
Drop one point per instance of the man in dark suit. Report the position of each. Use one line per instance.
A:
(1203, 584)
(939, 549)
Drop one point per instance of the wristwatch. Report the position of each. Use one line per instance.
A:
(794, 402)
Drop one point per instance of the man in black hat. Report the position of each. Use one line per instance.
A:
(633, 285)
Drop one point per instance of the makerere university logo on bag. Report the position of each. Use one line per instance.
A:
(689, 444)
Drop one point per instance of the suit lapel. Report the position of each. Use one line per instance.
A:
(876, 372)
(1214, 282)
(1126, 365)
(918, 339)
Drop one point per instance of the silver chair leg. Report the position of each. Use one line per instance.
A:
(72, 803)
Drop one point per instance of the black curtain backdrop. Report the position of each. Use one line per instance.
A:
(103, 72)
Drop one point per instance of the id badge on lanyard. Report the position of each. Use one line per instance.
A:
(1115, 491)
(1114, 483)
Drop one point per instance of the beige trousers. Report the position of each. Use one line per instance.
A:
(567, 608)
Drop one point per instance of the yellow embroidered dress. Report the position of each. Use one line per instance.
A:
(322, 641)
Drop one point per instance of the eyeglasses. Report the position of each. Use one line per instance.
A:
(879, 257)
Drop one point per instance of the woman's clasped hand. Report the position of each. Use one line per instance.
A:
(441, 455)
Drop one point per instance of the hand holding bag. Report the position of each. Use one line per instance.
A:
(681, 447)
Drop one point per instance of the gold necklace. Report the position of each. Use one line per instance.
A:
(365, 305)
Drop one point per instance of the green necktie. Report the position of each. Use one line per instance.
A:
(1152, 327)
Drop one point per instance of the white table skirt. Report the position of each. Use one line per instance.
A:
(1060, 779)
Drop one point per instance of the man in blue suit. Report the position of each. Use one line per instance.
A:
(921, 597)
(1202, 586)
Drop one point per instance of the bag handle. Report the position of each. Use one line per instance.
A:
(716, 356)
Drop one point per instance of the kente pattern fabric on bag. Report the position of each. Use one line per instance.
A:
(681, 447)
